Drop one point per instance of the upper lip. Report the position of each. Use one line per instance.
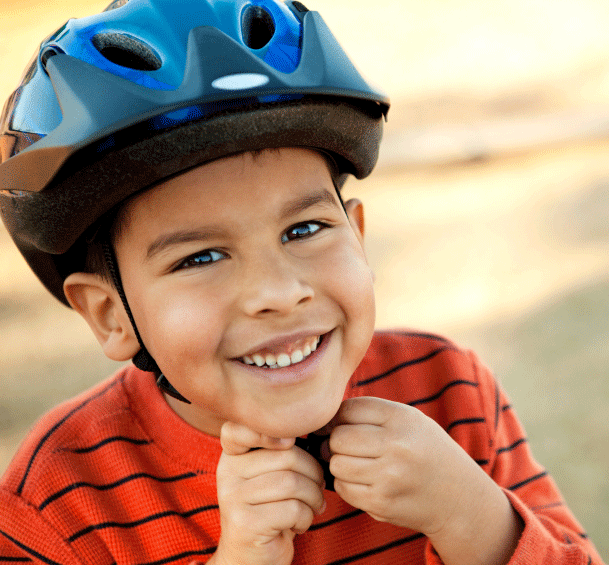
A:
(280, 341)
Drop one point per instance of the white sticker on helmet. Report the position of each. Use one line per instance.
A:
(240, 81)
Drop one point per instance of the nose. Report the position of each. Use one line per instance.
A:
(274, 285)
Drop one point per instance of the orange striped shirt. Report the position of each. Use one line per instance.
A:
(114, 476)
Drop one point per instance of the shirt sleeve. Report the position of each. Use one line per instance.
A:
(552, 535)
(25, 537)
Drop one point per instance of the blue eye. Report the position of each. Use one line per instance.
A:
(202, 258)
(302, 230)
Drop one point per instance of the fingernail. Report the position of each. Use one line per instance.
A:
(281, 442)
(286, 442)
(323, 508)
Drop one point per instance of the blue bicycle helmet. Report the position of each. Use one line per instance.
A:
(114, 103)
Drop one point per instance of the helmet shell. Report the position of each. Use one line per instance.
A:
(115, 103)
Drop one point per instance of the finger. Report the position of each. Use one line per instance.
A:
(264, 461)
(237, 439)
(284, 485)
(304, 518)
(354, 470)
(363, 410)
(286, 515)
(357, 495)
(358, 440)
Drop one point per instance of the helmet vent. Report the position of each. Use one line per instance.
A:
(127, 51)
(257, 27)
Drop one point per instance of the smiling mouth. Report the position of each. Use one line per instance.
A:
(296, 353)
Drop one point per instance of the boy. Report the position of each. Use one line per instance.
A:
(192, 215)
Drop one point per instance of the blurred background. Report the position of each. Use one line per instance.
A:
(487, 217)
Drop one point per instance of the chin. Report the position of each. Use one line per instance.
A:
(296, 423)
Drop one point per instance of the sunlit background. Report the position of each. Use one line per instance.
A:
(487, 217)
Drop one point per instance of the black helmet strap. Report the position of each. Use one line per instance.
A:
(142, 360)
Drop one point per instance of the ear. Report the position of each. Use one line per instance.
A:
(99, 304)
(355, 213)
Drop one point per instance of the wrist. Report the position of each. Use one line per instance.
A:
(486, 533)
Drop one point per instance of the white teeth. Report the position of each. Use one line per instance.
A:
(296, 357)
(282, 359)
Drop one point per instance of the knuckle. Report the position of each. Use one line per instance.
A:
(294, 509)
(337, 465)
(288, 481)
(295, 506)
(239, 518)
(230, 431)
(394, 475)
(303, 520)
(338, 439)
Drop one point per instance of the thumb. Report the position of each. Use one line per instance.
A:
(237, 439)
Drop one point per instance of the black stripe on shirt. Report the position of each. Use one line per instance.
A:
(464, 421)
(108, 440)
(58, 425)
(527, 481)
(29, 549)
(545, 506)
(110, 486)
(145, 520)
(409, 363)
(433, 337)
(4, 559)
(506, 407)
(377, 550)
(442, 391)
(512, 446)
(179, 556)
(336, 520)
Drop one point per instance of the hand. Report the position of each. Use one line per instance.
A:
(400, 466)
(269, 490)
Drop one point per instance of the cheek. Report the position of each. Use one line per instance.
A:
(349, 280)
(180, 334)
(352, 282)
(361, 306)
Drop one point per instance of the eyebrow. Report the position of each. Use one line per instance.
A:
(298, 205)
(290, 208)
(163, 242)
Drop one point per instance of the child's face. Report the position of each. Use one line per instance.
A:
(249, 256)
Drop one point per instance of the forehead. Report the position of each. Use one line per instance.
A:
(229, 188)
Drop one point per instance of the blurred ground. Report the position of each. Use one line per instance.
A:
(487, 218)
